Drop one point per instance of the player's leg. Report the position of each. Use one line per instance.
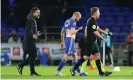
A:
(83, 58)
(75, 56)
(84, 64)
(82, 50)
(75, 61)
(98, 58)
(68, 44)
(62, 64)
(98, 61)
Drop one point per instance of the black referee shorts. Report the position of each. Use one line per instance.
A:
(91, 48)
(81, 44)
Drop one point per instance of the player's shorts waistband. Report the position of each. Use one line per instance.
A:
(70, 38)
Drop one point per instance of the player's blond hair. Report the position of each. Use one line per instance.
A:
(78, 14)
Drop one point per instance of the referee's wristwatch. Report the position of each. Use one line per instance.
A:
(109, 34)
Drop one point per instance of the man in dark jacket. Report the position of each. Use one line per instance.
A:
(29, 43)
(129, 41)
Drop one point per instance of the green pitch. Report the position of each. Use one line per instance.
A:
(48, 72)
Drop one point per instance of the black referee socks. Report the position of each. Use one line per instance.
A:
(98, 63)
(78, 64)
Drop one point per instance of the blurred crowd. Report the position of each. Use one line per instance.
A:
(13, 38)
(55, 12)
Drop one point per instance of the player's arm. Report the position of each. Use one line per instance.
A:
(99, 36)
(62, 35)
(94, 29)
(74, 31)
(85, 31)
(101, 31)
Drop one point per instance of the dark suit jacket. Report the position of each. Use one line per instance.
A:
(29, 43)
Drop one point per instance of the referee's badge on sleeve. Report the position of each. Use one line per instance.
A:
(94, 26)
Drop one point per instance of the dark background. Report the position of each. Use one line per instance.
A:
(115, 14)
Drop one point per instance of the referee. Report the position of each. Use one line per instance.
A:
(29, 43)
(91, 47)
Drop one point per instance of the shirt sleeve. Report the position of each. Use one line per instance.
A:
(33, 28)
(67, 24)
(94, 26)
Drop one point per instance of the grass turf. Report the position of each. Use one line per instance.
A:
(48, 72)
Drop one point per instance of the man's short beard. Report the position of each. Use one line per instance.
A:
(38, 16)
(76, 20)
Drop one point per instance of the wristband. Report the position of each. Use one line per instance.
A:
(108, 34)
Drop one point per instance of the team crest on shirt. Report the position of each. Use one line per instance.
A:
(74, 24)
(94, 26)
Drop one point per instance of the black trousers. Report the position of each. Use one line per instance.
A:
(30, 60)
(24, 55)
(130, 57)
(108, 53)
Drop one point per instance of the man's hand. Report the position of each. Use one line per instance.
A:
(62, 44)
(35, 36)
(38, 33)
(80, 28)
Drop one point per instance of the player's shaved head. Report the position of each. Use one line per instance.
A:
(77, 15)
